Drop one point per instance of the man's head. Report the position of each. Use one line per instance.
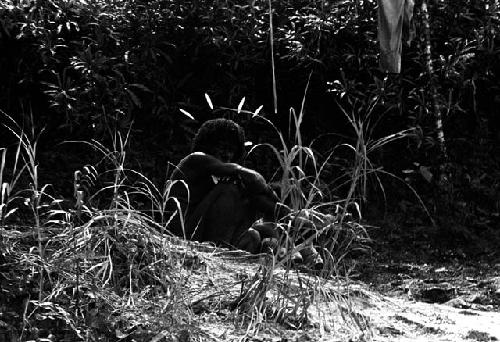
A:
(221, 138)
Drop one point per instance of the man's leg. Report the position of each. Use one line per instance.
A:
(226, 216)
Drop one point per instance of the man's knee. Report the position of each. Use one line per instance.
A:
(250, 241)
(266, 229)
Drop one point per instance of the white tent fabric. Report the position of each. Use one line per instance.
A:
(394, 22)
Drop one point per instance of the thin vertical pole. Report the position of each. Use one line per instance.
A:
(271, 41)
(432, 82)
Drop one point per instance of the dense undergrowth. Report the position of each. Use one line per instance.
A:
(83, 69)
(83, 222)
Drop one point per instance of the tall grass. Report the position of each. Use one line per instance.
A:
(98, 240)
(26, 155)
(314, 219)
(363, 122)
(329, 223)
(7, 187)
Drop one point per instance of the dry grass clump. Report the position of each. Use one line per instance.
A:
(75, 264)
(100, 287)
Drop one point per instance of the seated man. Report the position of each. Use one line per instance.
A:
(224, 202)
(220, 199)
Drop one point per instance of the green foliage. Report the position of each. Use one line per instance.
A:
(101, 59)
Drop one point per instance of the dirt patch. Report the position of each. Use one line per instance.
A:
(382, 302)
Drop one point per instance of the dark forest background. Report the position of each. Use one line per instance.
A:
(82, 70)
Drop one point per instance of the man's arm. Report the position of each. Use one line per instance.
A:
(264, 198)
(201, 163)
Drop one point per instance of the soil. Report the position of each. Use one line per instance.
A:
(440, 302)
(382, 301)
(388, 297)
(406, 290)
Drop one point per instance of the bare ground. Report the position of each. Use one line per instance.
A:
(213, 294)
(384, 302)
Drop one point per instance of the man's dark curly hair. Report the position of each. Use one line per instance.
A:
(215, 131)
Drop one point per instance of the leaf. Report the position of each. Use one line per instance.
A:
(184, 80)
(186, 113)
(242, 102)
(141, 86)
(209, 101)
(10, 212)
(119, 334)
(440, 270)
(160, 336)
(134, 98)
(426, 173)
(257, 111)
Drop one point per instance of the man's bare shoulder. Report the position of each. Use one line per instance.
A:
(200, 163)
(196, 164)
(194, 158)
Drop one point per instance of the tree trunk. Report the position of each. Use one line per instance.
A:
(432, 83)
